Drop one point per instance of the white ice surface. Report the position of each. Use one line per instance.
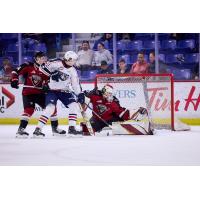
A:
(164, 148)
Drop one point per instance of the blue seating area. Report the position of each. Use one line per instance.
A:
(179, 52)
(12, 48)
(192, 58)
(168, 44)
(27, 59)
(186, 44)
(180, 74)
(87, 75)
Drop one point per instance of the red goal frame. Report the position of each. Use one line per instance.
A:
(171, 78)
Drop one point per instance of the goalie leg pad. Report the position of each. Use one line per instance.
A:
(136, 128)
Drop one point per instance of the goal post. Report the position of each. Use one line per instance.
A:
(155, 92)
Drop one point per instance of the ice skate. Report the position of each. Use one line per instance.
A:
(21, 133)
(38, 133)
(74, 133)
(58, 132)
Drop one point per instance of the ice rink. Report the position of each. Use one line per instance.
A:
(163, 148)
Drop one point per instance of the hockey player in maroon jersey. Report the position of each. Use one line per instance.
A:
(107, 109)
(34, 88)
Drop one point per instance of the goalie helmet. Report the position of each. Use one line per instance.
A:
(70, 57)
(107, 92)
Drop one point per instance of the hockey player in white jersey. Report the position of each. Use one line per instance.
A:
(64, 86)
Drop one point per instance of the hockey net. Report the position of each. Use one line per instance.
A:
(155, 92)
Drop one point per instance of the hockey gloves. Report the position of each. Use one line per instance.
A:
(95, 91)
(55, 76)
(81, 98)
(15, 83)
(142, 110)
(45, 88)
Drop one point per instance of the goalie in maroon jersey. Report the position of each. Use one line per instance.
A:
(107, 109)
(34, 88)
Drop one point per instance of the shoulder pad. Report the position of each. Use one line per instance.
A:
(26, 64)
(115, 99)
(54, 59)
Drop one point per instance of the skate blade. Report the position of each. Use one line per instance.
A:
(59, 135)
(74, 136)
(21, 136)
(37, 137)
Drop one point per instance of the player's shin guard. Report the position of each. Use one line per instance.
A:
(72, 119)
(25, 117)
(73, 110)
(45, 116)
(24, 122)
(42, 121)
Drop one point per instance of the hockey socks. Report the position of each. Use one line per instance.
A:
(42, 121)
(72, 119)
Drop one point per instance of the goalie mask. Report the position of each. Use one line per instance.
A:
(107, 92)
(70, 58)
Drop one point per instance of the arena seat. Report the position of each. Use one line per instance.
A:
(149, 44)
(26, 59)
(182, 74)
(123, 45)
(12, 48)
(126, 57)
(92, 74)
(8, 36)
(172, 58)
(192, 58)
(144, 36)
(162, 57)
(135, 45)
(41, 47)
(168, 44)
(186, 44)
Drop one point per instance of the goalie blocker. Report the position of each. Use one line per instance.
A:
(107, 111)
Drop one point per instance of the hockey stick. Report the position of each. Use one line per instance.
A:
(110, 127)
(87, 122)
(30, 86)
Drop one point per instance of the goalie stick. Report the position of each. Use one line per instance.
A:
(99, 117)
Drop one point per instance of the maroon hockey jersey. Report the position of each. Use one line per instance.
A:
(32, 75)
(107, 110)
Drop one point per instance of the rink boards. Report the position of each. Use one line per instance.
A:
(186, 98)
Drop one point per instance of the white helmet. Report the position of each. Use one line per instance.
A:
(107, 92)
(71, 57)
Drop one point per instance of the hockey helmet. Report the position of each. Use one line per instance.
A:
(70, 57)
(107, 92)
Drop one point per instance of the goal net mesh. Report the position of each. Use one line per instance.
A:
(153, 92)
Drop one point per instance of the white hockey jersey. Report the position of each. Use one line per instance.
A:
(68, 77)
